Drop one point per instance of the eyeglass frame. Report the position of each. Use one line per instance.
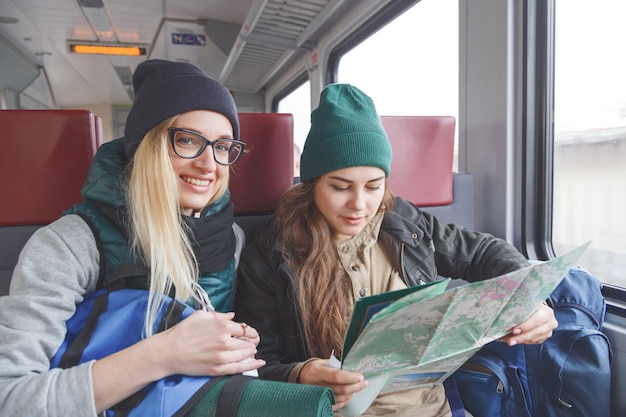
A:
(172, 135)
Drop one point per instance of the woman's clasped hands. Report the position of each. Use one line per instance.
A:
(209, 343)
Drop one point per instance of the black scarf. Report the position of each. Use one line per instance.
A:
(212, 238)
(211, 235)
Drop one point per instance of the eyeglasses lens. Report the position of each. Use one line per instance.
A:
(190, 145)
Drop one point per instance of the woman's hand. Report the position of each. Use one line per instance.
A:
(343, 383)
(535, 330)
(250, 334)
(209, 343)
(202, 344)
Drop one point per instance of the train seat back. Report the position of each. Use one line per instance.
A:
(264, 171)
(421, 171)
(45, 158)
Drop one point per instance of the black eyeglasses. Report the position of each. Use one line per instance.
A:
(189, 144)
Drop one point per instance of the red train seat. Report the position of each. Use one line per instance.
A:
(265, 170)
(45, 158)
(423, 148)
(421, 171)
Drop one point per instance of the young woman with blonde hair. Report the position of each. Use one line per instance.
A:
(156, 212)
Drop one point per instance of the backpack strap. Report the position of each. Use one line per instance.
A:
(124, 407)
(172, 315)
(75, 350)
(99, 245)
(230, 397)
(454, 397)
(195, 398)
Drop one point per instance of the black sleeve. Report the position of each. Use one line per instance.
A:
(259, 304)
(473, 256)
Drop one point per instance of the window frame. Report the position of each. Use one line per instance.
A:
(538, 130)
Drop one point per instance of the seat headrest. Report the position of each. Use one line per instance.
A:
(423, 150)
(44, 162)
(265, 170)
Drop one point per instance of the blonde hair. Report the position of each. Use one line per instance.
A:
(323, 291)
(159, 235)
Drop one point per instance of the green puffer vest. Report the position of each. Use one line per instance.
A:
(104, 188)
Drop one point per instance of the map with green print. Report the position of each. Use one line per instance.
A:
(420, 336)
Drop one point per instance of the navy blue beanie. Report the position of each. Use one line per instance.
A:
(164, 89)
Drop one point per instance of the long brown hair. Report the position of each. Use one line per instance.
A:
(323, 291)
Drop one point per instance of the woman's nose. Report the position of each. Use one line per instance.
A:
(357, 201)
(206, 160)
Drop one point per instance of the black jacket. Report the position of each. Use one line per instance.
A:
(422, 247)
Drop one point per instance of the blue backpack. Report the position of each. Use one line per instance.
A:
(121, 312)
(567, 375)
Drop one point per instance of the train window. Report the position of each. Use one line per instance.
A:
(420, 76)
(590, 134)
(298, 103)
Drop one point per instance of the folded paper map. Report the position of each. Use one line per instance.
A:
(420, 336)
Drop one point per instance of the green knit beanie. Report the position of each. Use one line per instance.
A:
(345, 132)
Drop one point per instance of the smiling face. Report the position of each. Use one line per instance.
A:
(349, 198)
(201, 179)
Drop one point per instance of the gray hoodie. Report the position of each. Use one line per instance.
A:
(57, 267)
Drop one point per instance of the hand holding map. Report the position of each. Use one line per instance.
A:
(423, 337)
